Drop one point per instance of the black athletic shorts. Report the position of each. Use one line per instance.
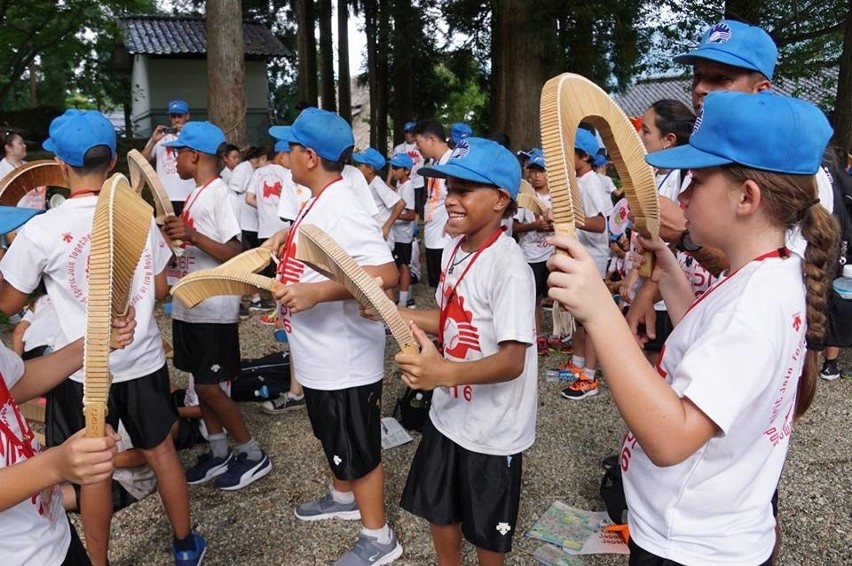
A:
(641, 557)
(448, 484)
(540, 273)
(348, 424)
(144, 406)
(76, 555)
(839, 327)
(664, 327)
(433, 266)
(177, 206)
(121, 498)
(402, 253)
(210, 352)
(250, 240)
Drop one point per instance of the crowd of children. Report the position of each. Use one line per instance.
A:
(737, 303)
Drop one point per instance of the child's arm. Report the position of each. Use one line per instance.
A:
(18, 337)
(11, 300)
(594, 224)
(395, 212)
(425, 319)
(178, 229)
(79, 460)
(299, 297)
(429, 369)
(276, 241)
(669, 428)
(407, 214)
(251, 199)
(673, 284)
(540, 224)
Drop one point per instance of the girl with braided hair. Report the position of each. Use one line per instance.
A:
(707, 442)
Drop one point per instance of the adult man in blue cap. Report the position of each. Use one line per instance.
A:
(166, 158)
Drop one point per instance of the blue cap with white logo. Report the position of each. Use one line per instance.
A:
(370, 157)
(587, 142)
(178, 106)
(460, 131)
(537, 160)
(736, 44)
(409, 126)
(76, 132)
(203, 137)
(320, 130)
(763, 131)
(480, 161)
(402, 160)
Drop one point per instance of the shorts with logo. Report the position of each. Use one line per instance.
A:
(402, 253)
(448, 484)
(143, 405)
(348, 424)
(210, 352)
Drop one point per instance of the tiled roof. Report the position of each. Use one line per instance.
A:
(819, 89)
(174, 35)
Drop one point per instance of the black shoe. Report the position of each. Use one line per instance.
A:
(830, 372)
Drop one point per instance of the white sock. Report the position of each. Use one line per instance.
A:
(403, 298)
(383, 534)
(589, 373)
(342, 496)
(578, 361)
(295, 397)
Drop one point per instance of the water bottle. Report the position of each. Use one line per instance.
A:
(843, 285)
(417, 402)
(262, 393)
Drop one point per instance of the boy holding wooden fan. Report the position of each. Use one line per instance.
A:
(56, 247)
(338, 356)
(466, 475)
(206, 337)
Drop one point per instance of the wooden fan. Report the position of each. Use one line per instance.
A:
(569, 99)
(142, 174)
(217, 281)
(531, 203)
(526, 188)
(318, 250)
(120, 230)
(253, 261)
(23, 179)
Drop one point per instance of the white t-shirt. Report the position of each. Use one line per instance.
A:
(333, 346)
(208, 211)
(43, 324)
(494, 303)
(355, 179)
(239, 184)
(435, 213)
(533, 243)
(595, 201)
(607, 183)
(226, 175)
(5, 167)
(385, 199)
(166, 161)
(737, 354)
(410, 149)
(293, 198)
(57, 244)
(35, 531)
(268, 183)
(403, 230)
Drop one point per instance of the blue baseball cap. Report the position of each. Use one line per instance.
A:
(370, 157)
(178, 106)
(763, 131)
(409, 127)
(586, 141)
(402, 160)
(200, 136)
(280, 133)
(736, 44)
(324, 132)
(282, 145)
(77, 131)
(481, 161)
(600, 160)
(13, 217)
(460, 131)
(537, 160)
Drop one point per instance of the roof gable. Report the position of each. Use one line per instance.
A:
(176, 35)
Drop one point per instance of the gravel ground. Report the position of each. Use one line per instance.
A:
(256, 525)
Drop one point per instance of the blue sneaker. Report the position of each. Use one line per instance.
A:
(242, 471)
(191, 557)
(207, 467)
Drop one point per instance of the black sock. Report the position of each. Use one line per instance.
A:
(185, 543)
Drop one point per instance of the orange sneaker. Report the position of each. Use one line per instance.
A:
(581, 389)
(573, 369)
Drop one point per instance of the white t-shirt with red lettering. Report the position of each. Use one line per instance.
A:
(239, 183)
(737, 354)
(166, 164)
(333, 346)
(410, 149)
(435, 213)
(494, 303)
(35, 531)
(268, 182)
(208, 211)
(56, 245)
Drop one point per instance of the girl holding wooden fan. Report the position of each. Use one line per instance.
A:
(708, 441)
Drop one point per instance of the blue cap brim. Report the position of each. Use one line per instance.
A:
(12, 217)
(281, 133)
(710, 54)
(453, 170)
(174, 143)
(685, 157)
(49, 146)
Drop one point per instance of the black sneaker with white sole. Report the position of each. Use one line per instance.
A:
(242, 471)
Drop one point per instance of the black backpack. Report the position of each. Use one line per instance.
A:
(262, 378)
(412, 408)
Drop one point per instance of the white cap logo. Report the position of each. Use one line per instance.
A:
(698, 120)
(461, 150)
(720, 33)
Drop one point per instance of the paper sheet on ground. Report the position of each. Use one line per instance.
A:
(577, 531)
(393, 434)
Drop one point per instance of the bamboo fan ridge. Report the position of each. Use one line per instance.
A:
(205, 283)
(120, 230)
(531, 203)
(570, 99)
(142, 174)
(23, 179)
(318, 250)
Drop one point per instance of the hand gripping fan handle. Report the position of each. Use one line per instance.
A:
(647, 267)
(95, 418)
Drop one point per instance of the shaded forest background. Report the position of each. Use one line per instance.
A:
(481, 61)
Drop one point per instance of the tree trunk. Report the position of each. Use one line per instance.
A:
(518, 72)
(748, 11)
(326, 56)
(843, 103)
(370, 25)
(402, 106)
(307, 51)
(382, 90)
(226, 69)
(344, 94)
